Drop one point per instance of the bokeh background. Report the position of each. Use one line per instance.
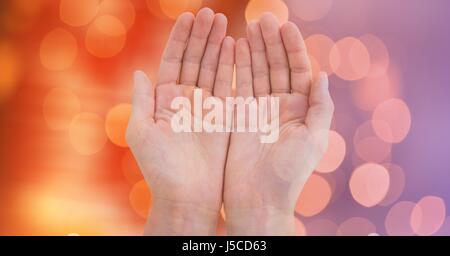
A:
(65, 83)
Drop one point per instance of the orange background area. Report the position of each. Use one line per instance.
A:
(65, 83)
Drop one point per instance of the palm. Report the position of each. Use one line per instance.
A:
(262, 172)
(196, 160)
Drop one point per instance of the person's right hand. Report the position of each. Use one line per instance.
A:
(263, 181)
(184, 170)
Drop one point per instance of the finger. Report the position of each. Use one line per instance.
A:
(196, 47)
(321, 105)
(143, 102)
(276, 54)
(210, 60)
(170, 68)
(260, 68)
(224, 78)
(244, 81)
(299, 65)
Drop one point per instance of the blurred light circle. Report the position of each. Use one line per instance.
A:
(78, 13)
(368, 146)
(173, 8)
(310, 10)
(122, 9)
(428, 215)
(140, 199)
(369, 184)
(155, 9)
(397, 184)
(356, 226)
(392, 120)
(397, 222)
(379, 55)
(257, 7)
(73, 234)
(370, 92)
(130, 168)
(334, 155)
(116, 124)
(60, 106)
(105, 37)
(321, 227)
(10, 69)
(319, 46)
(87, 134)
(299, 228)
(350, 59)
(315, 196)
(58, 50)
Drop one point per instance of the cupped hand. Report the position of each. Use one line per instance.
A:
(263, 181)
(184, 170)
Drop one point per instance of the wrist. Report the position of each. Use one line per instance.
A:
(174, 218)
(260, 221)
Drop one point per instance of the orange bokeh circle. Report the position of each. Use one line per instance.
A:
(122, 9)
(356, 226)
(428, 215)
(310, 10)
(397, 222)
(173, 8)
(78, 13)
(370, 92)
(315, 196)
(350, 59)
(140, 199)
(391, 120)
(257, 7)
(319, 47)
(116, 124)
(368, 146)
(60, 106)
(87, 134)
(379, 55)
(321, 227)
(105, 37)
(369, 184)
(58, 50)
(334, 155)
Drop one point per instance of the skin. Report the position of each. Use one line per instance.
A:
(183, 170)
(263, 181)
(192, 174)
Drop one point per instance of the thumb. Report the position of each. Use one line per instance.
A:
(143, 97)
(321, 105)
